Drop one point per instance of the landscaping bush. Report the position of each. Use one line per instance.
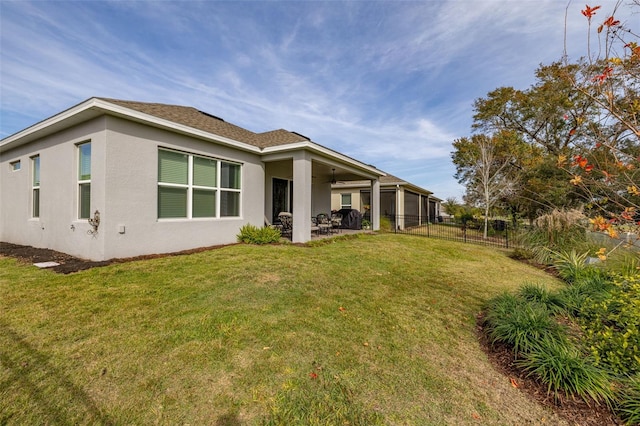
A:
(538, 294)
(521, 324)
(564, 369)
(251, 234)
(385, 224)
(557, 231)
(629, 403)
(571, 265)
(611, 325)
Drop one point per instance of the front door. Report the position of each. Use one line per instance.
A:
(282, 197)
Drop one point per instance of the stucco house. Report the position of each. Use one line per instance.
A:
(402, 202)
(110, 179)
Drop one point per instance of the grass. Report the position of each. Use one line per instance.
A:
(378, 329)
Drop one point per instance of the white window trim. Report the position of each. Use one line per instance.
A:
(81, 182)
(190, 187)
(16, 165)
(35, 187)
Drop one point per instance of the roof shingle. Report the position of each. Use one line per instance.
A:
(200, 120)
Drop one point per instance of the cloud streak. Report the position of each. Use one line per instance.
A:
(389, 83)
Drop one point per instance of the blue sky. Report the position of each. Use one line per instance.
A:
(390, 83)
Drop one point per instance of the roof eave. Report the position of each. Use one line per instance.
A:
(319, 149)
(95, 107)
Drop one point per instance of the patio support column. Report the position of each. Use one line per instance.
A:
(375, 204)
(301, 197)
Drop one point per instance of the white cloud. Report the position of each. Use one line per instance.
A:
(390, 83)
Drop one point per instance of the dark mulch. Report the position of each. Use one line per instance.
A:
(575, 411)
(68, 263)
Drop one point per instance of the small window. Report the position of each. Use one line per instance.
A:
(84, 180)
(35, 188)
(15, 165)
(345, 201)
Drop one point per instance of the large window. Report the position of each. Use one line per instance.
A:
(84, 180)
(192, 186)
(35, 186)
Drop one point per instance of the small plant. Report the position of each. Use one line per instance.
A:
(629, 402)
(366, 224)
(538, 294)
(250, 234)
(570, 265)
(564, 369)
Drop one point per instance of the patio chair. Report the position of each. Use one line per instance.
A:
(314, 225)
(286, 224)
(336, 222)
(324, 223)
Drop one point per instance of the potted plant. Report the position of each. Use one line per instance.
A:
(366, 224)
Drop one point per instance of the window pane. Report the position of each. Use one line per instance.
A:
(84, 169)
(36, 203)
(84, 208)
(173, 167)
(204, 172)
(15, 166)
(36, 171)
(346, 199)
(172, 202)
(230, 175)
(229, 203)
(204, 203)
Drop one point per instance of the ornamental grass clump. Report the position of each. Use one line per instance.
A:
(521, 324)
(553, 232)
(536, 293)
(629, 401)
(563, 369)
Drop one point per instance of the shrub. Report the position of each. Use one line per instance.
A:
(537, 294)
(557, 231)
(572, 265)
(385, 224)
(611, 325)
(251, 234)
(564, 369)
(520, 324)
(629, 402)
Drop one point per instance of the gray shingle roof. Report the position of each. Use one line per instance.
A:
(200, 120)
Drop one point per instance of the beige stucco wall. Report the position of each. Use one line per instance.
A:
(123, 189)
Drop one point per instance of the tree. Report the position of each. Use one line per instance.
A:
(607, 166)
(538, 116)
(484, 165)
(452, 206)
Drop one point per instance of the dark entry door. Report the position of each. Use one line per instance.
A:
(282, 196)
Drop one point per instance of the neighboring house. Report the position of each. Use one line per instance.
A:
(402, 202)
(164, 178)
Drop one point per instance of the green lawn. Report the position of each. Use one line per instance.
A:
(375, 329)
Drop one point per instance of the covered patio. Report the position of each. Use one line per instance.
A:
(299, 182)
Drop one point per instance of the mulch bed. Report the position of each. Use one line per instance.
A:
(68, 263)
(576, 411)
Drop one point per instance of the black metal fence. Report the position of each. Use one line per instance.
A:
(499, 232)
